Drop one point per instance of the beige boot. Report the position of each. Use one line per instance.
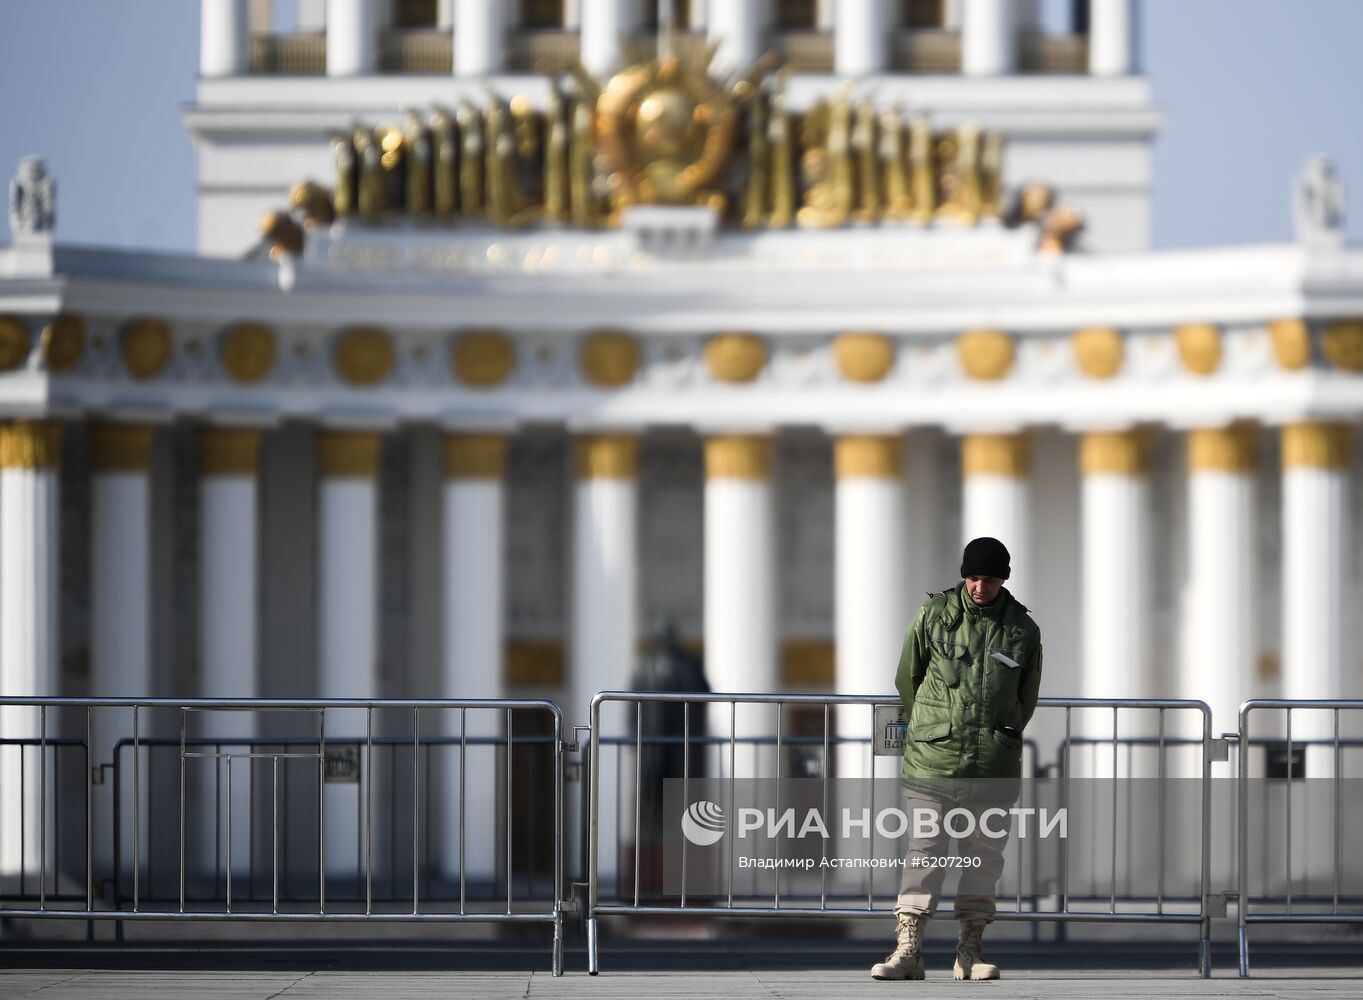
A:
(906, 961)
(969, 964)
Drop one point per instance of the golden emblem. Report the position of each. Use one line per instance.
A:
(14, 343)
(1342, 345)
(248, 352)
(666, 131)
(609, 359)
(1199, 347)
(1291, 343)
(482, 358)
(1098, 351)
(145, 347)
(62, 342)
(986, 355)
(735, 357)
(363, 355)
(863, 357)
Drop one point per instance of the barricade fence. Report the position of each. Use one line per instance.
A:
(711, 805)
(335, 810)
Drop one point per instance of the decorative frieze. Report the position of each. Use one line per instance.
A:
(609, 359)
(145, 346)
(1291, 343)
(985, 355)
(735, 357)
(863, 357)
(247, 352)
(63, 341)
(482, 358)
(14, 343)
(1098, 351)
(1342, 344)
(363, 356)
(1199, 347)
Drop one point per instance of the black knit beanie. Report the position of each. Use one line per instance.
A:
(985, 557)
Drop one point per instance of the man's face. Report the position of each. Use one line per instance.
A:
(983, 589)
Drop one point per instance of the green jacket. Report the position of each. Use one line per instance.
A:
(956, 693)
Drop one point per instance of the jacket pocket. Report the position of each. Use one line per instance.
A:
(932, 732)
(946, 657)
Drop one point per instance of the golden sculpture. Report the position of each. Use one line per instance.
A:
(1199, 347)
(312, 201)
(247, 352)
(471, 161)
(63, 340)
(863, 357)
(735, 357)
(826, 166)
(923, 180)
(1061, 228)
(482, 358)
(507, 205)
(417, 143)
(146, 347)
(1291, 340)
(962, 192)
(1342, 344)
(14, 343)
(985, 355)
(582, 194)
(557, 195)
(609, 359)
(363, 356)
(284, 235)
(343, 195)
(665, 131)
(759, 164)
(866, 152)
(894, 166)
(1098, 351)
(991, 176)
(369, 176)
(782, 143)
(445, 166)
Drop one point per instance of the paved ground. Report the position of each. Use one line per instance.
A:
(795, 969)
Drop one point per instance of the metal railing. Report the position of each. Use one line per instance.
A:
(115, 848)
(1029, 903)
(1294, 904)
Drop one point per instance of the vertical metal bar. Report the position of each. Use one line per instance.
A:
(1288, 811)
(274, 830)
(733, 746)
(183, 723)
(1112, 876)
(137, 801)
(780, 722)
(1242, 838)
(510, 730)
(1159, 824)
(228, 859)
(827, 774)
(1338, 788)
(463, 769)
(42, 807)
(593, 831)
(686, 785)
(638, 786)
(416, 805)
(557, 962)
(321, 810)
(367, 776)
(1064, 806)
(89, 812)
(1205, 940)
(871, 770)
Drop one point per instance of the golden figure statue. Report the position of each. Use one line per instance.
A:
(369, 157)
(312, 201)
(506, 202)
(922, 179)
(417, 143)
(471, 162)
(393, 165)
(894, 166)
(445, 165)
(782, 143)
(343, 160)
(991, 176)
(759, 163)
(867, 152)
(581, 167)
(556, 193)
(827, 164)
(961, 192)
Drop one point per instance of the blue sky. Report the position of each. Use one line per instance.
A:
(1249, 89)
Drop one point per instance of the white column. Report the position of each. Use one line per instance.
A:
(825, 15)
(859, 38)
(228, 643)
(572, 15)
(444, 15)
(29, 538)
(1317, 584)
(224, 39)
(605, 569)
(604, 24)
(347, 625)
(988, 46)
(478, 37)
(740, 587)
(1222, 607)
(120, 619)
(473, 642)
(736, 25)
(1111, 35)
(997, 500)
(872, 608)
(351, 37)
(1116, 580)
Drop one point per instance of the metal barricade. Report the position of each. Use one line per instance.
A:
(1050, 902)
(52, 761)
(1310, 754)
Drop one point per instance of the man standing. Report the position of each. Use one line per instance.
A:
(968, 676)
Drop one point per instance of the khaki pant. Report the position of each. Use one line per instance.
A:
(920, 888)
